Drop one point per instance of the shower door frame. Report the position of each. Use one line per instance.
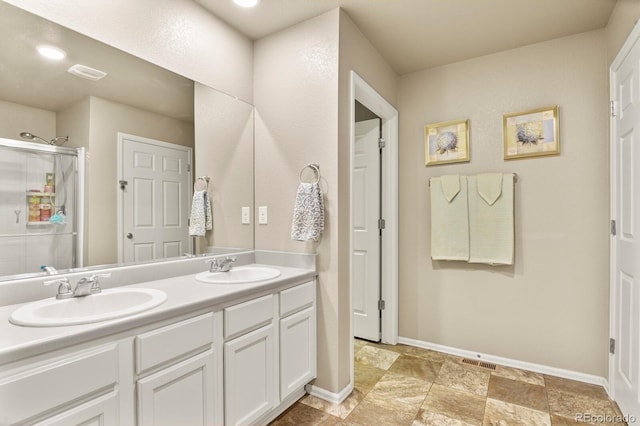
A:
(79, 153)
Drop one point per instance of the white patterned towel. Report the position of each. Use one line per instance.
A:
(308, 213)
(200, 220)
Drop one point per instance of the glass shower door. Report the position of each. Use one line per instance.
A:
(38, 208)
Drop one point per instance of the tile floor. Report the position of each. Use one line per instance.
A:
(404, 385)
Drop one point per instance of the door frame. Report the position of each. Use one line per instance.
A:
(632, 39)
(361, 91)
(120, 198)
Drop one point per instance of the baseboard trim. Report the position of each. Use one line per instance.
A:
(508, 362)
(336, 398)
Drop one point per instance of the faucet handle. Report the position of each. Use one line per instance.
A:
(214, 265)
(64, 287)
(95, 280)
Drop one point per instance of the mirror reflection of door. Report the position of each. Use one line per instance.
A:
(366, 233)
(155, 193)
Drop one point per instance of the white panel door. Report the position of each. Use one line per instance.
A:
(156, 199)
(365, 234)
(625, 153)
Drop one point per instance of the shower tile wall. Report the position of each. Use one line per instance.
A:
(20, 172)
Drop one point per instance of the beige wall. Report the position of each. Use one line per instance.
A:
(296, 124)
(106, 120)
(621, 22)
(178, 35)
(550, 308)
(16, 118)
(224, 152)
(302, 116)
(357, 54)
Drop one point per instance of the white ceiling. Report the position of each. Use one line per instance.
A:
(28, 79)
(416, 34)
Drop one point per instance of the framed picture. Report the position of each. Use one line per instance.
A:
(446, 142)
(531, 133)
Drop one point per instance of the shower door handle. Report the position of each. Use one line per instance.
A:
(129, 236)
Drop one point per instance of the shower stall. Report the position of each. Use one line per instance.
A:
(41, 207)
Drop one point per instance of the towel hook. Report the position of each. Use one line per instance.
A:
(316, 170)
(205, 180)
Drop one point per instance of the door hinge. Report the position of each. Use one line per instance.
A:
(381, 143)
(613, 107)
(381, 305)
(613, 227)
(381, 223)
(188, 167)
(612, 346)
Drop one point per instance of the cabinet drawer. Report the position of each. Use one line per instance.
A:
(31, 392)
(247, 316)
(297, 298)
(173, 341)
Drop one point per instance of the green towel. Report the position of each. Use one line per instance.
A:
(449, 218)
(491, 219)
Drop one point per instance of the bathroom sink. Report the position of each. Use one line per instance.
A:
(109, 304)
(239, 275)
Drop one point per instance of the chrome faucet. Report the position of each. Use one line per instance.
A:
(50, 270)
(84, 287)
(223, 265)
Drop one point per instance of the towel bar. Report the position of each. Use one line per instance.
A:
(204, 179)
(515, 178)
(316, 170)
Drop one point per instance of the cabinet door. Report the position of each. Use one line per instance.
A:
(179, 395)
(249, 387)
(102, 411)
(297, 351)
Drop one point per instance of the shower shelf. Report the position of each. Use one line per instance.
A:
(40, 194)
(39, 223)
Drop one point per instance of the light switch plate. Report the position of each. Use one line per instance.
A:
(262, 215)
(246, 215)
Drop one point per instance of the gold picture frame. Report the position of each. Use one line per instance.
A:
(531, 133)
(446, 142)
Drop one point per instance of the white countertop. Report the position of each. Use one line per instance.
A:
(184, 295)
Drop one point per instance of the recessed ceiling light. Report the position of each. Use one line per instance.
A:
(246, 3)
(51, 52)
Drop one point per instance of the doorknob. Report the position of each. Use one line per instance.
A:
(129, 235)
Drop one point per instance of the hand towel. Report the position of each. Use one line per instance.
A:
(200, 220)
(491, 219)
(308, 213)
(490, 187)
(449, 218)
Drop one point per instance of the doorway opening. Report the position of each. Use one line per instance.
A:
(374, 207)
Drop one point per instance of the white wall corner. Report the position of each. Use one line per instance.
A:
(336, 398)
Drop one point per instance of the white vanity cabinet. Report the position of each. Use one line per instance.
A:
(250, 389)
(176, 365)
(75, 387)
(297, 338)
(269, 353)
(240, 362)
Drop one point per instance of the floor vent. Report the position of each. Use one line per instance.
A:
(477, 363)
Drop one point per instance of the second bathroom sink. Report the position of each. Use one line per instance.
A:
(239, 275)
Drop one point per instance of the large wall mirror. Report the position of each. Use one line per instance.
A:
(135, 100)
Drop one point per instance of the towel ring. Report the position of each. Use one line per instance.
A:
(204, 180)
(316, 170)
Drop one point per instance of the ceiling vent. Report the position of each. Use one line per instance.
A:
(84, 71)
